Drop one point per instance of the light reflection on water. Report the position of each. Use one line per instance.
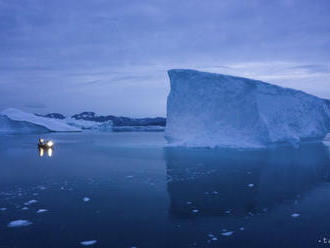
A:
(48, 150)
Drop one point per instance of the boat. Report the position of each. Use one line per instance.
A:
(46, 144)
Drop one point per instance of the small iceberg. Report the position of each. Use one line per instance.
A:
(229, 233)
(86, 199)
(41, 211)
(30, 202)
(295, 215)
(19, 223)
(88, 242)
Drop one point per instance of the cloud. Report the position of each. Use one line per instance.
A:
(35, 105)
(112, 56)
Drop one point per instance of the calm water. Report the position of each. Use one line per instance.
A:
(139, 194)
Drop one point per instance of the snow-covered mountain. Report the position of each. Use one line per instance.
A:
(120, 121)
(207, 109)
(17, 121)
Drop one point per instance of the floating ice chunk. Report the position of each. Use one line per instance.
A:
(86, 199)
(211, 235)
(214, 238)
(251, 185)
(189, 202)
(129, 176)
(195, 210)
(227, 233)
(25, 208)
(88, 242)
(242, 228)
(228, 211)
(3, 209)
(30, 202)
(19, 223)
(295, 215)
(42, 187)
(41, 211)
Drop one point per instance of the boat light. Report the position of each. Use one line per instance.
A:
(50, 143)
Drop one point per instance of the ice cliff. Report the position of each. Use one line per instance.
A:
(16, 121)
(207, 109)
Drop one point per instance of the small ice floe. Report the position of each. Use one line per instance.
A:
(195, 211)
(88, 242)
(265, 209)
(250, 185)
(227, 211)
(295, 215)
(212, 237)
(189, 202)
(25, 208)
(229, 233)
(242, 228)
(3, 209)
(42, 187)
(86, 199)
(19, 223)
(215, 192)
(30, 202)
(129, 176)
(41, 211)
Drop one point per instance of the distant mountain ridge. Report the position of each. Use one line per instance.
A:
(118, 121)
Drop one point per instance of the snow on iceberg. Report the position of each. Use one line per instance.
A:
(207, 109)
(12, 120)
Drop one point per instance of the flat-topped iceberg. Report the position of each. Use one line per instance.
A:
(207, 109)
(16, 121)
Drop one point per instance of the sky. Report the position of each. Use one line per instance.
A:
(112, 57)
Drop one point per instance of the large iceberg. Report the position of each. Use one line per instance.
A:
(207, 109)
(16, 121)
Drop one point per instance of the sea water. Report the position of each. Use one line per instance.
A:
(132, 190)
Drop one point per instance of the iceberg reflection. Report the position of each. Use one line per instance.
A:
(219, 182)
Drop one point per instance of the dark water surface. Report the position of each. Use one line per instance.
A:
(139, 194)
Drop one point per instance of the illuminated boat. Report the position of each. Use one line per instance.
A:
(46, 144)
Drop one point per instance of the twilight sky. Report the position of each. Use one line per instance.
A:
(111, 56)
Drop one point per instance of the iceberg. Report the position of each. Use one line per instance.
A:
(17, 121)
(215, 110)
